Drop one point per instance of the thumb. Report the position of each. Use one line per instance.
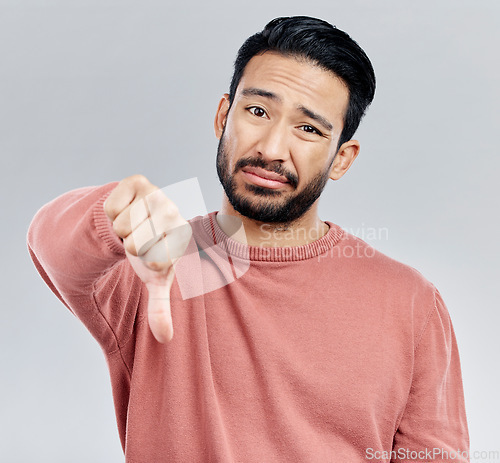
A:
(159, 312)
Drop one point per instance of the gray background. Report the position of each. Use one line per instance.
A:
(94, 91)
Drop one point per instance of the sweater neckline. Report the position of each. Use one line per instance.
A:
(271, 254)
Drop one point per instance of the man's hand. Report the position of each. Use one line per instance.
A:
(154, 236)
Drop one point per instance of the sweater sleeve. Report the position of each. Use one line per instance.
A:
(78, 255)
(434, 426)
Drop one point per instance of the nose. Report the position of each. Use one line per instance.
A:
(273, 143)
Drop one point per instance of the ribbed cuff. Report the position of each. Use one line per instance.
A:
(104, 226)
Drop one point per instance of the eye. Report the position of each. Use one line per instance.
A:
(257, 111)
(310, 129)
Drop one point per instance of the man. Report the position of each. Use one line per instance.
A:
(294, 340)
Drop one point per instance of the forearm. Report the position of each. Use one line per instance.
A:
(71, 240)
(75, 250)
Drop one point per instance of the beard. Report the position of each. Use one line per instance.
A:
(266, 204)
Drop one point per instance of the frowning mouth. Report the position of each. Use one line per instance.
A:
(264, 178)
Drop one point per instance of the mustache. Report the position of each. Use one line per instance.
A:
(276, 168)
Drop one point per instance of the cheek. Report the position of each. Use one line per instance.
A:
(239, 139)
(309, 161)
(232, 149)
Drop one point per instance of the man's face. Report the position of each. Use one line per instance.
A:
(279, 139)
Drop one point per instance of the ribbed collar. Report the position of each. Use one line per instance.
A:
(271, 254)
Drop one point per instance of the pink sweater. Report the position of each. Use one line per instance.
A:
(327, 352)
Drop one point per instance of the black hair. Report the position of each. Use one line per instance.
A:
(322, 44)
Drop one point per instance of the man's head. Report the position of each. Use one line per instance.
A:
(298, 93)
(323, 44)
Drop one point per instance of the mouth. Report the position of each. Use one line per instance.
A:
(264, 178)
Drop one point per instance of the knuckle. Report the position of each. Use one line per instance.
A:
(140, 182)
(171, 213)
(138, 178)
(109, 207)
(129, 246)
(155, 198)
(118, 229)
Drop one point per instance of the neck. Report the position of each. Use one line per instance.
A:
(306, 229)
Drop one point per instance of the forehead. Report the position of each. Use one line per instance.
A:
(296, 81)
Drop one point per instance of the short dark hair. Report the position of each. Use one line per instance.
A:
(324, 45)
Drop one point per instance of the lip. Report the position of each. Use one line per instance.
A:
(265, 178)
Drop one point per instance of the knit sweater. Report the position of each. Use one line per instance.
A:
(325, 352)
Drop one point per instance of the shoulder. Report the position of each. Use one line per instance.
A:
(379, 270)
(386, 285)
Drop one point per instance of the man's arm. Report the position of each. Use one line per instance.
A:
(434, 425)
(99, 260)
(74, 248)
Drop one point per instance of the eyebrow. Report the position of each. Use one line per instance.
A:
(320, 119)
(252, 91)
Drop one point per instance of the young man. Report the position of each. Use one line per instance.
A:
(294, 340)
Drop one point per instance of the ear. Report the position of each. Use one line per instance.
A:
(344, 158)
(221, 115)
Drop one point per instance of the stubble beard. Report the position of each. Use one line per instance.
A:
(271, 208)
